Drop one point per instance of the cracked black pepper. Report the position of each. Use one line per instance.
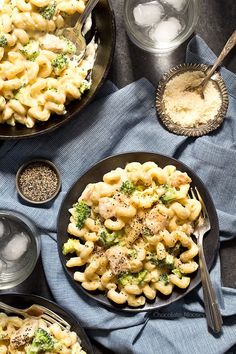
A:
(38, 182)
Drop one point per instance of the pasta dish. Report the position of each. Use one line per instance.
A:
(33, 336)
(131, 233)
(39, 71)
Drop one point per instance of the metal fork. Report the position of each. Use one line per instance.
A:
(74, 34)
(199, 88)
(35, 311)
(202, 226)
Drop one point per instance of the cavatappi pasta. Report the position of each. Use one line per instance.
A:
(39, 71)
(18, 336)
(132, 233)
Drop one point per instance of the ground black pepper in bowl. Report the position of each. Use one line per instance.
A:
(38, 181)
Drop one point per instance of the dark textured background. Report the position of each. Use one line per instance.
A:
(216, 23)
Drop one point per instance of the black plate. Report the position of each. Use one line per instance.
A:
(94, 175)
(26, 300)
(105, 24)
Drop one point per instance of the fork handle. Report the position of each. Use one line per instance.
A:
(225, 51)
(212, 310)
(88, 9)
(11, 309)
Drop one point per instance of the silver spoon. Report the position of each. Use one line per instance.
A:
(199, 88)
(74, 34)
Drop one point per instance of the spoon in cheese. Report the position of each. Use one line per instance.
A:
(74, 34)
(199, 88)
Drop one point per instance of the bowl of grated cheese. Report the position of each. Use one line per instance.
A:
(184, 112)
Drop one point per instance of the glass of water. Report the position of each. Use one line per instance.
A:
(160, 26)
(19, 248)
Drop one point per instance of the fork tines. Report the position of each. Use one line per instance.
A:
(51, 317)
(197, 196)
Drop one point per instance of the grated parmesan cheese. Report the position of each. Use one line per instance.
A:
(186, 108)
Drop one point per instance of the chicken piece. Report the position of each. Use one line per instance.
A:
(87, 194)
(53, 43)
(117, 257)
(179, 178)
(156, 220)
(24, 334)
(133, 230)
(106, 207)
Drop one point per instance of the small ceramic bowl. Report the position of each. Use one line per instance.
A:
(38, 193)
(202, 129)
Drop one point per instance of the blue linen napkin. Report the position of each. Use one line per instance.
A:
(119, 121)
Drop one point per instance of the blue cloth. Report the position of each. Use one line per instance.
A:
(119, 121)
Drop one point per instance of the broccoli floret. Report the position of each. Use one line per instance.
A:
(108, 239)
(60, 63)
(125, 279)
(31, 50)
(81, 213)
(127, 188)
(70, 246)
(147, 232)
(167, 262)
(164, 278)
(15, 93)
(177, 272)
(70, 47)
(169, 195)
(176, 250)
(84, 86)
(3, 40)
(18, 93)
(158, 262)
(141, 276)
(48, 11)
(132, 254)
(140, 187)
(132, 278)
(42, 342)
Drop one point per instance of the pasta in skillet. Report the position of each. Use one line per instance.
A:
(39, 71)
(30, 336)
(132, 233)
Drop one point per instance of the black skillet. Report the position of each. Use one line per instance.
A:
(104, 22)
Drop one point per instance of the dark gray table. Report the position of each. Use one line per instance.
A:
(216, 23)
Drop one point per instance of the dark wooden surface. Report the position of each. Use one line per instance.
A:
(216, 23)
